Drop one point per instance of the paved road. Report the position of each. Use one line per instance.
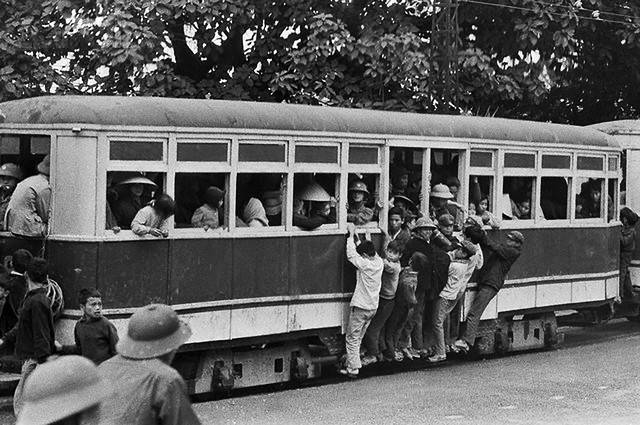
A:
(593, 379)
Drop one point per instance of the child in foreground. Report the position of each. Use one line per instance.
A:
(95, 336)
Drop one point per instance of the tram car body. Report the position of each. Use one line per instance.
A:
(271, 304)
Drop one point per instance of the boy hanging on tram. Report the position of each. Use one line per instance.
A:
(627, 246)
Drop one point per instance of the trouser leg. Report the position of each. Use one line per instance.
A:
(483, 297)
(372, 336)
(442, 307)
(359, 320)
(626, 287)
(412, 330)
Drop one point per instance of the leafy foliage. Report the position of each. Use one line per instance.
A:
(556, 60)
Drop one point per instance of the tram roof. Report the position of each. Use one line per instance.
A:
(200, 113)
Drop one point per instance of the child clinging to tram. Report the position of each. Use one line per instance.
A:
(627, 246)
(364, 302)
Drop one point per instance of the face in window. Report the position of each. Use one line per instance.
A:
(8, 184)
(595, 195)
(395, 222)
(525, 209)
(357, 196)
(323, 209)
(137, 189)
(472, 208)
(483, 206)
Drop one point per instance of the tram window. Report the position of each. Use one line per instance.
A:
(127, 192)
(24, 150)
(259, 199)
(554, 197)
(480, 198)
(200, 200)
(136, 151)
(405, 174)
(589, 200)
(517, 198)
(444, 164)
(314, 202)
(362, 205)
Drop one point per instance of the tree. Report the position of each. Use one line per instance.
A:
(557, 60)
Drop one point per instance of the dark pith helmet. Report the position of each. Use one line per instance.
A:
(358, 186)
(154, 330)
(11, 170)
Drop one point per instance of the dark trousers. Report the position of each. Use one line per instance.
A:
(411, 335)
(483, 298)
(374, 339)
(394, 326)
(626, 287)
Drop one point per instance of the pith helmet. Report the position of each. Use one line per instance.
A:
(60, 388)
(358, 186)
(424, 222)
(314, 192)
(441, 191)
(153, 330)
(11, 170)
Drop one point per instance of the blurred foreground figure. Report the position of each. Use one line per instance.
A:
(65, 391)
(147, 390)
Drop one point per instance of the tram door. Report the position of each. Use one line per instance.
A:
(414, 171)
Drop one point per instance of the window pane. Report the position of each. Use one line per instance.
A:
(480, 196)
(200, 200)
(613, 164)
(405, 177)
(554, 197)
(612, 193)
(314, 202)
(259, 199)
(317, 154)
(127, 193)
(40, 145)
(9, 145)
(481, 159)
(250, 152)
(519, 160)
(517, 198)
(362, 201)
(360, 155)
(135, 151)
(589, 200)
(556, 161)
(214, 152)
(590, 163)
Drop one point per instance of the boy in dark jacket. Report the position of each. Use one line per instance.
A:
(94, 334)
(628, 218)
(490, 281)
(33, 336)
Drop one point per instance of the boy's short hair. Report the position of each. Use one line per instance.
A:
(397, 211)
(418, 260)
(87, 293)
(474, 233)
(367, 248)
(452, 181)
(396, 246)
(20, 259)
(38, 270)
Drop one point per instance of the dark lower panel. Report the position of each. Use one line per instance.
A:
(74, 266)
(133, 273)
(313, 265)
(201, 270)
(260, 267)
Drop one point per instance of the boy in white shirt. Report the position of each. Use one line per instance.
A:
(364, 302)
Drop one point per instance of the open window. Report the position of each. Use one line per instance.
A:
(363, 192)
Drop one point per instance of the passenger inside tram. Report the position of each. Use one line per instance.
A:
(313, 203)
(516, 190)
(357, 210)
(207, 215)
(134, 192)
(10, 175)
(251, 189)
(153, 219)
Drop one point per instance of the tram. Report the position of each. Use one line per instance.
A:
(270, 304)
